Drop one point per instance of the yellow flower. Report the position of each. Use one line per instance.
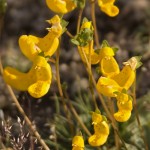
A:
(122, 115)
(101, 130)
(109, 66)
(107, 86)
(31, 45)
(108, 7)
(78, 143)
(37, 81)
(126, 77)
(123, 80)
(61, 6)
(96, 118)
(124, 103)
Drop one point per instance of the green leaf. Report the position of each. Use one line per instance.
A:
(64, 23)
(105, 43)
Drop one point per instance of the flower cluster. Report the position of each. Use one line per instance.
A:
(37, 80)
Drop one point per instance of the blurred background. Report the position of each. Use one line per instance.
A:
(129, 31)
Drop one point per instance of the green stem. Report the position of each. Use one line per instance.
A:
(94, 23)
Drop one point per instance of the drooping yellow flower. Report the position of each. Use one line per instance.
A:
(78, 143)
(37, 81)
(108, 7)
(61, 6)
(31, 45)
(101, 130)
(124, 103)
(123, 80)
(122, 115)
(107, 86)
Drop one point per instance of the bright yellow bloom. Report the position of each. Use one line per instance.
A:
(126, 77)
(109, 66)
(96, 118)
(31, 45)
(61, 6)
(107, 86)
(108, 7)
(37, 81)
(124, 103)
(123, 80)
(78, 143)
(122, 115)
(97, 139)
(101, 130)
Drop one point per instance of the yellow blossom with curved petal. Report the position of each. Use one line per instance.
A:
(61, 6)
(125, 78)
(108, 7)
(37, 81)
(78, 143)
(122, 115)
(124, 102)
(97, 139)
(101, 130)
(96, 118)
(32, 45)
(106, 52)
(109, 66)
(107, 86)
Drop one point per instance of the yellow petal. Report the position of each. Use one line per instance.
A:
(41, 72)
(101, 2)
(28, 46)
(39, 89)
(105, 52)
(96, 118)
(124, 102)
(77, 148)
(61, 6)
(101, 128)
(107, 87)
(16, 79)
(125, 78)
(97, 139)
(109, 66)
(122, 115)
(78, 141)
(110, 9)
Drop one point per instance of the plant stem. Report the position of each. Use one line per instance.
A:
(79, 20)
(29, 123)
(137, 114)
(69, 34)
(94, 23)
(111, 108)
